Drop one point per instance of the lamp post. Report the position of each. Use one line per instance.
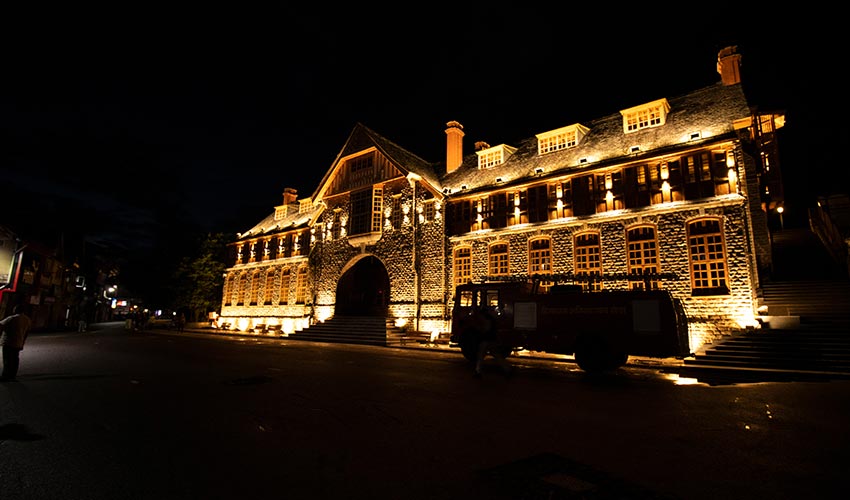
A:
(780, 210)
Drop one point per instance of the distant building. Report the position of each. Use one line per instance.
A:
(670, 193)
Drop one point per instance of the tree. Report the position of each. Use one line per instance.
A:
(198, 279)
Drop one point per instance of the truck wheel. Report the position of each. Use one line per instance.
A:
(593, 355)
(617, 360)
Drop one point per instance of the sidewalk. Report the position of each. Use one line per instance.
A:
(634, 361)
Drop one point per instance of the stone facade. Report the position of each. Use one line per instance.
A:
(380, 233)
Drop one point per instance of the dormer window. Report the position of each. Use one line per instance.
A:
(305, 205)
(496, 155)
(562, 138)
(652, 114)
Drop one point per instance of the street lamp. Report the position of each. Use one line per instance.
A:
(779, 210)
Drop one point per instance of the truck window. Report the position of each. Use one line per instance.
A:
(492, 298)
(466, 298)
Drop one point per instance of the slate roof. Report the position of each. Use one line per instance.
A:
(711, 110)
(293, 220)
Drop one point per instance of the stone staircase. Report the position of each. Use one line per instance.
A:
(807, 320)
(361, 330)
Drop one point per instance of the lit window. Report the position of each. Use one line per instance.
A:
(462, 266)
(284, 287)
(429, 210)
(562, 138)
(496, 155)
(396, 215)
(243, 289)
(707, 258)
(228, 287)
(588, 260)
(643, 256)
(255, 287)
(498, 261)
(653, 114)
(267, 292)
(540, 259)
(366, 208)
(301, 285)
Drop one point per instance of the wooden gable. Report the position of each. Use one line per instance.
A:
(365, 168)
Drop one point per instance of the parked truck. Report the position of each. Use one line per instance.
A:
(601, 328)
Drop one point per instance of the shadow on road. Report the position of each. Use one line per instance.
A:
(17, 432)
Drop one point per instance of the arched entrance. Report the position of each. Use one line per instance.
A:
(364, 289)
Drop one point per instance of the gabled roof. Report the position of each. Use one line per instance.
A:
(362, 138)
(711, 111)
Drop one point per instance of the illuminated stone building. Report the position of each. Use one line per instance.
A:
(670, 193)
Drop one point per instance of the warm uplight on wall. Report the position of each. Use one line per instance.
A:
(730, 160)
(665, 192)
(609, 199)
(733, 180)
(665, 172)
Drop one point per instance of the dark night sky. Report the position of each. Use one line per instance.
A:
(122, 122)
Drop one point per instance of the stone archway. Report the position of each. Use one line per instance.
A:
(364, 289)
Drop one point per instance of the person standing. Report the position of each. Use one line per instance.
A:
(488, 342)
(15, 329)
(181, 321)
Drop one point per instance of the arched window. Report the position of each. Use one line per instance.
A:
(284, 287)
(498, 261)
(642, 246)
(462, 264)
(540, 259)
(243, 289)
(707, 256)
(225, 293)
(301, 285)
(588, 259)
(268, 290)
(255, 287)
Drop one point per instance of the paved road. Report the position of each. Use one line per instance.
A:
(112, 414)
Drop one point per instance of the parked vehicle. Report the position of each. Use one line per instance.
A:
(602, 329)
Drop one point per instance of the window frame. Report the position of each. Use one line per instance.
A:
(588, 262)
(462, 265)
(707, 280)
(637, 246)
(498, 263)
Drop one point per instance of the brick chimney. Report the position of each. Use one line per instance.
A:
(729, 65)
(454, 146)
(289, 196)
